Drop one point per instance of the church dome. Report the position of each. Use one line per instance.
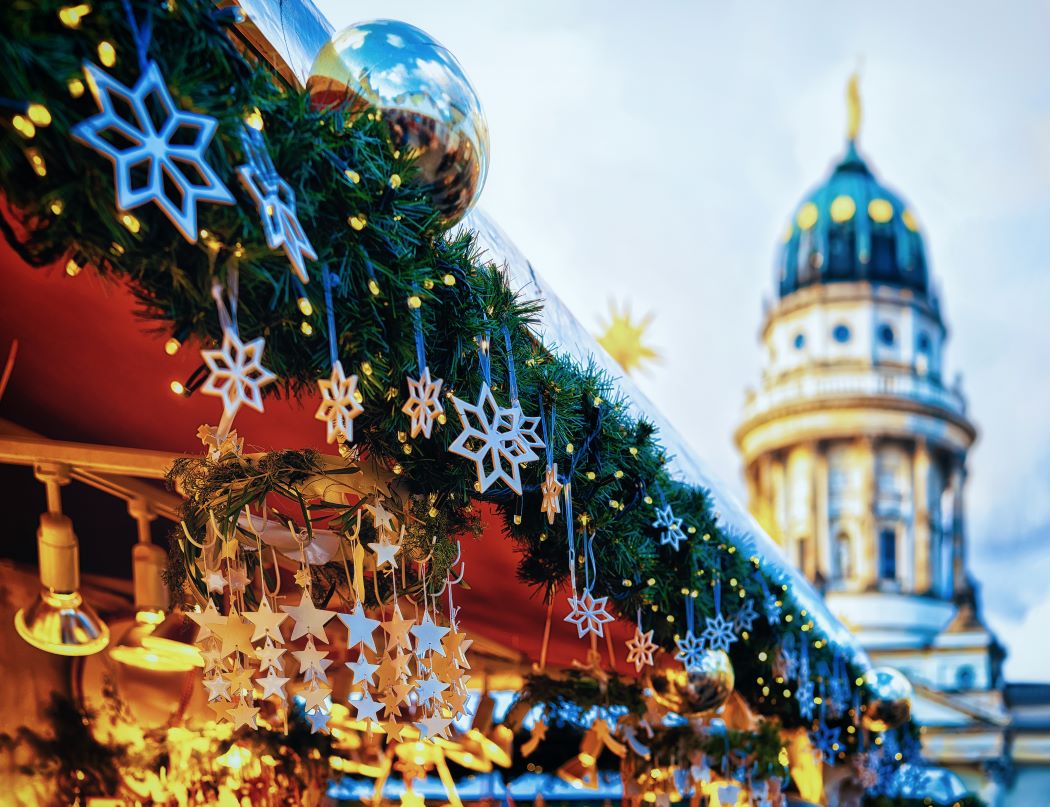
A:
(852, 228)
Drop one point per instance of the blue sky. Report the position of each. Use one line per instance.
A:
(655, 152)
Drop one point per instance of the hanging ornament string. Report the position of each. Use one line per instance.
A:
(333, 353)
(140, 34)
(512, 376)
(417, 327)
(571, 538)
(484, 361)
(547, 427)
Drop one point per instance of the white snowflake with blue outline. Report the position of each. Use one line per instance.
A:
(826, 739)
(745, 618)
(690, 650)
(670, 526)
(718, 633)
(804, 694)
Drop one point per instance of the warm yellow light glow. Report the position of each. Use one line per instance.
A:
(73, 268)
(306, 328)
(395, 181)
(107, 54)
(171, 347)
(57, 207)
(236, 758)
(449, 280)
(23, 126)
(143, 648)
(414, 301)
(76, 87)
(254, 119)
(807, 216)
(305, 307)
(358, 222)
(909, 221)
(853, 107)
(352, 175)
(39, 114)
(880, 210)
(132, 223)
(373, 287)
(177, 388)
(72, 15)
(37, 161)
(842, 209)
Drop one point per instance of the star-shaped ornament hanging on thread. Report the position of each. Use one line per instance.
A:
(275, 201)
(157, 149)
(670, 527)
(744, 619)
(339, 404)
(424, 403)
(719, 633)
(236, 373)
(492, 439)
(588, 614)
(690, 650)
(551, 489)
(640, 649)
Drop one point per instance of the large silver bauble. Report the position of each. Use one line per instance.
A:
(695, 691)
(422, 93)
(887, 696)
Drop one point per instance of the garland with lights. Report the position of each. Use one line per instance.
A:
(394, 276)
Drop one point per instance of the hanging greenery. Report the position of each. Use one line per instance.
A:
(391, 260)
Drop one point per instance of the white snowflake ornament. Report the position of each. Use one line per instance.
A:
(275, 201)
(588, 614)
(640, 649)
(156, 157)
(670, 527)
(424, 403)
(339, 405)
(236, 373)
(492, 438)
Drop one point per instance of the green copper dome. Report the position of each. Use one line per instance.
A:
(852, 228)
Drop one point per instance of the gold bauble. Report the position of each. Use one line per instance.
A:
(697, 690)
(887, 699)
(395, 71)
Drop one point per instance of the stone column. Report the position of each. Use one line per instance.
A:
(777, 500)
(959, 583)
(920, 497)
(821, 539)
(867, 551)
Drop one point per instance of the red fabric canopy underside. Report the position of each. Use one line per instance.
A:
(89, 370)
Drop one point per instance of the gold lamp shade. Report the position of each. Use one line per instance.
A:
(59, 621)
(154, 642)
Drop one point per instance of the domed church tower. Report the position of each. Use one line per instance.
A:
(855, 445)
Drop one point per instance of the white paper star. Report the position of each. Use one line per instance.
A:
(670, 526)
(218, 687)
(275, 200)
(367, 708)
(432, 726)
(430, 688)
(152, 153)
(339, 404)
(386, 552)
(718, 633)
(428, 636)
(363, 669)
(308, 618)
(236, 373)
(272, 684)
(493, 440)
(319, 721)
(360, 627)
(640, 649)
(551, 490)
(588, 614)
(424, 403)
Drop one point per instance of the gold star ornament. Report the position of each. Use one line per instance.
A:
(623, 338)
(551, 491)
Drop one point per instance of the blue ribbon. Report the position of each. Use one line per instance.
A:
(484, 362)
(512, 377)
(333, 355)
(141, 35)
(417, 326)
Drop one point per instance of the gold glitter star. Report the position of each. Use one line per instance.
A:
(551, 490)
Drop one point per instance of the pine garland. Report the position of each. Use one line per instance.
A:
(343, 169)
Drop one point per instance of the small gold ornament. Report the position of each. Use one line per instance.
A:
(551, 490)
(702, 688)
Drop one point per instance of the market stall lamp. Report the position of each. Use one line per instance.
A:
(59, 621)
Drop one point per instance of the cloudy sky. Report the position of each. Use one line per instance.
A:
(655, 152)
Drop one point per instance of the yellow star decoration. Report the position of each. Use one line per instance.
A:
(339, 405)
(308, 618)
(424, 403)
(640, 649)
(623, 339)
(551, 490)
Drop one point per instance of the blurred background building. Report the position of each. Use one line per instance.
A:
(855, 458)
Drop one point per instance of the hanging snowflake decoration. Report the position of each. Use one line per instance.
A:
(640, 649)
(156, 157)
(492, 439)
(588, 614)
(718, 633)
(424, 403)
(804, 694)
(826, 740)
(690, 650)
(551, 492)
(744, 619)
(339, 405)
(236, 373)
(275, 201)
(670, 527)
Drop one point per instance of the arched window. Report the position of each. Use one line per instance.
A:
(843, 557)
(887, 554)
(886, 335)
(840, 333)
